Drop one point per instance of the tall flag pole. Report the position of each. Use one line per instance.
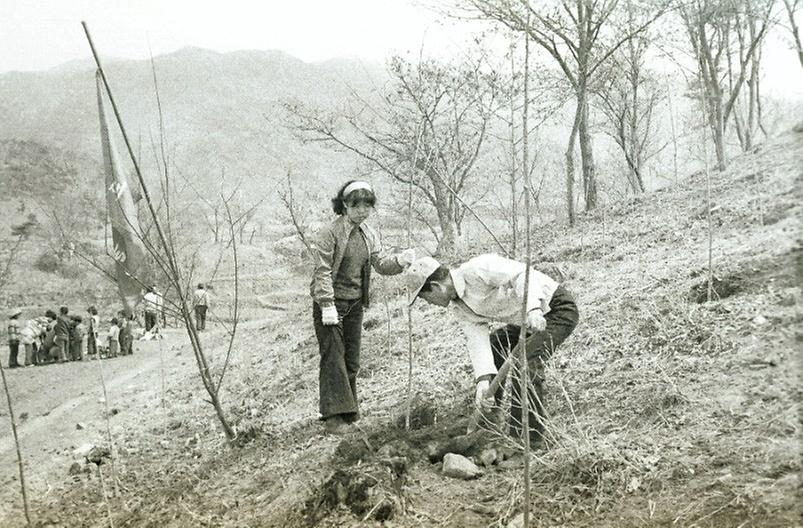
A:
(127, 249)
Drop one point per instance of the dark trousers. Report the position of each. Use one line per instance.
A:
(62, 344)
(200, 317)
(126, 340)
(150, 320)
(560, 321)
(339, 347)
(13, 352)
(91, 343)
(77, 349)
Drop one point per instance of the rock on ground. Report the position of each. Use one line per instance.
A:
(458, 466)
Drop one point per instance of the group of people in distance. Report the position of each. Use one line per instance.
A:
(62, 337)
(486, 294)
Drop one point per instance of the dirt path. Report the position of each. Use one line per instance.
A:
(51, 401)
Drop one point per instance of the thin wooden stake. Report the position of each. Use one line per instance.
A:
(3, 278)
(524, 391)
(17, 446)
(710, 293)
(409, 405)
(162, 371)
(105, 497)
(107, 415)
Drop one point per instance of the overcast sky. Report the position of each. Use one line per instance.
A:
(40, 34)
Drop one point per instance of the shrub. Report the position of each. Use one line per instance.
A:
(48, 262)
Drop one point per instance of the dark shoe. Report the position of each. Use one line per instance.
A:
(350, 418)
(336, 425)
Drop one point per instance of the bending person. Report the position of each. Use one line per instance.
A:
(343, 253)
(490, 289)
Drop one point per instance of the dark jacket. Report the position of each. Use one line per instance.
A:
(62, 328)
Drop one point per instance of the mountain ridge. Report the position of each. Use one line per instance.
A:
(219, 108)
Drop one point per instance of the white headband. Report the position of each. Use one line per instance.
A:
(355, 186)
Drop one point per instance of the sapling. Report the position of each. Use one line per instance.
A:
(166, 257)
(107, 417)
(21, 232)
(525, 381)
(97, 456)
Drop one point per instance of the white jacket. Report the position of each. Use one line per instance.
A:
(490, 289)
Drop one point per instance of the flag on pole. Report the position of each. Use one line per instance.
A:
(121, 197)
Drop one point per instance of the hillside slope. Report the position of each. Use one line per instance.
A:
(220, 110)
(666, 409)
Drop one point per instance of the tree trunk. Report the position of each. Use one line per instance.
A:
(719, 134)
(445, 210)
(448, 241)
(570, 167)
(216, 228)
(587, 154)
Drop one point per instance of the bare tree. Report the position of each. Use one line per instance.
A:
(747, 115)
(449, 105)
(627, 96)
(232, 196)
(792, 7)
(711, 28)
(578, 35)
(298, 216)
(544, 100)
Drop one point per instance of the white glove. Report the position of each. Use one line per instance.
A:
(329, 315)
(536, 321)
(405, 258)
(482, 399)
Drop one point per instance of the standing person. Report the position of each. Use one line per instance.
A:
(77, 344)
(344, 252)
(62, 334)
(161, 300)
(30, 338)
(93, 329)
(13, 338)
(49, 347)
(489, 289)
(126, 324)
(113, 339)
(201, 303)
(151, 308)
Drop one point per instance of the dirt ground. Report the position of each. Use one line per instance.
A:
(666, 409)
(60, 409)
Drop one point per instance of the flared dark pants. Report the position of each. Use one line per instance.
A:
(339, 347)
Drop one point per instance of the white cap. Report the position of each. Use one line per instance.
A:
(418, 273)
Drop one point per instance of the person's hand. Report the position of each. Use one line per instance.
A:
(405, 258)
(536, 321)
(482, 399)
(329, 315)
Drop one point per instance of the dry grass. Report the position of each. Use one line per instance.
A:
(662, 410)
